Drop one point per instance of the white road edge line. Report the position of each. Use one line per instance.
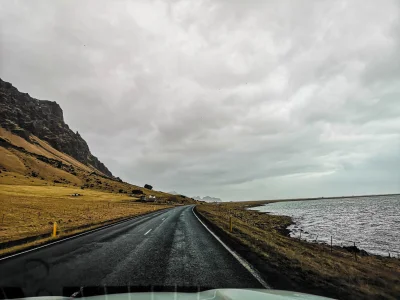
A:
(148, 231)
(240, 259)
(75, 236)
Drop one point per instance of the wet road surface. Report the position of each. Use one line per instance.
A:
(165, 248)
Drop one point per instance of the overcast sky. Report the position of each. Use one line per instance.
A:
(234, 99)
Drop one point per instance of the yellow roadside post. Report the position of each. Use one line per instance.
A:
(55, 229)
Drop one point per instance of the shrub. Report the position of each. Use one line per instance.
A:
(137, 192)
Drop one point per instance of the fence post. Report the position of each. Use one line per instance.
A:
(300, 234)
(230, 223)
(331, 244)
(355, 252)
(55, 229)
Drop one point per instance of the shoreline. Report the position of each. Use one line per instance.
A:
(288, 232)
(288, 263)
(262, 202)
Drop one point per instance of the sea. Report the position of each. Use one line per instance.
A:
(373, 222)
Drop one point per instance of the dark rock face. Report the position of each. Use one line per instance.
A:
(24, 115)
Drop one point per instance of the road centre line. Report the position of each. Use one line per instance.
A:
(148, 231)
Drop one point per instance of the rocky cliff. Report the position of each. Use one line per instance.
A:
(24, 115)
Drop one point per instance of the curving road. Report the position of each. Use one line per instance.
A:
(166, 248)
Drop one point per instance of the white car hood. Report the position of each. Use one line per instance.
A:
(217, 294)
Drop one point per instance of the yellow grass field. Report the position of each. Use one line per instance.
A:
(28, 210)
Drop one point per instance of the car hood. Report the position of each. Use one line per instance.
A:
(217, 294)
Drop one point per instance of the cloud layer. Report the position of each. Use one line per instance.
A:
(235, 99)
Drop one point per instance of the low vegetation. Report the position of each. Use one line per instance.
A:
(31, 210)
(292, 264)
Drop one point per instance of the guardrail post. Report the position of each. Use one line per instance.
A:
(55, 229)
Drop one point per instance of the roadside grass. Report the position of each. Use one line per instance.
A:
(289, 263)
(30, 210)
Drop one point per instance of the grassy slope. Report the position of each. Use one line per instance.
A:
(292, 264)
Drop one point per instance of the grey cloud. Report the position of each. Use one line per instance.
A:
(236, 99)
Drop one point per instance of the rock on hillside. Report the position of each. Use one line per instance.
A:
(24, 115)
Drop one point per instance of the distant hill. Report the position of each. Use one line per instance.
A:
(207, 199)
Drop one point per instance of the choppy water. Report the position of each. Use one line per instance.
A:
(372, 222)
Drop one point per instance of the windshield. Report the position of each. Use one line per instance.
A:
(187, 146)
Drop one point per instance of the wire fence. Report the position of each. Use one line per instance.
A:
(354, 246)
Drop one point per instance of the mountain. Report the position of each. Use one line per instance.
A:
(24, 116)
(211, 199)
(207, 199)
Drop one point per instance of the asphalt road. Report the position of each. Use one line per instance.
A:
(167, 248)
